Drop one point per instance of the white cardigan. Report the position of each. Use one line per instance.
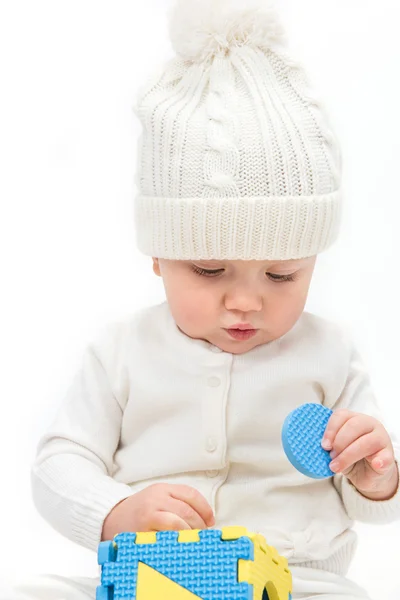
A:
(151, 404)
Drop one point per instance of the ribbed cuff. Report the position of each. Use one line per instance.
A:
(88, 515)
(270, 228)
(363, 509)
(75, 496)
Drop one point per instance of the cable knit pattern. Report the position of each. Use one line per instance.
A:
(237, 159)
(221, 159)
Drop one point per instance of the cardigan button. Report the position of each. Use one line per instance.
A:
(212, 473)
(211, 444)
(214, 381)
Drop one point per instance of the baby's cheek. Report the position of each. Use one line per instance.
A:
(192, 314)
(285, 316)
(290, 310)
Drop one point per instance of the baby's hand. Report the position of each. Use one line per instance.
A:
(159, 507)
(363, 452)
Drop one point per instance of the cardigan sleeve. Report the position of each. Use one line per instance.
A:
(358, 396)
(71, 478)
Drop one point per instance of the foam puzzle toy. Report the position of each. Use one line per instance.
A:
(213, 564)
(302, 435)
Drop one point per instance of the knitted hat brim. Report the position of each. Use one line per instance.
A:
(255, 228)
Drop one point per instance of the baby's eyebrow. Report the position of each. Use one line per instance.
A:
(213, 262)
(284, 265)
(279, 265)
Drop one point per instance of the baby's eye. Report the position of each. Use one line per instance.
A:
(215, 272)
(207, 272)
(280, 278)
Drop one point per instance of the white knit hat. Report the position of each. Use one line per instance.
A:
(236, 159)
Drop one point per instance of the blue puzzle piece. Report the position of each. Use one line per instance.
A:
(302, 434)
(207, 568)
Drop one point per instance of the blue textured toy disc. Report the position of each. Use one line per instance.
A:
(302, 434)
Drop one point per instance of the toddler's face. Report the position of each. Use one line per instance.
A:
(207, 298)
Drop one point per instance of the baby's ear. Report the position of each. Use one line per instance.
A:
(156, 266)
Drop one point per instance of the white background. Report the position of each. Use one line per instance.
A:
(68, 79)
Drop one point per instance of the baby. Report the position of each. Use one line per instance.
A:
(174, 418)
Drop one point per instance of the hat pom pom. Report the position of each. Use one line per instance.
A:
(201, 29)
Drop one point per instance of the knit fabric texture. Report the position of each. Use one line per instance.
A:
(236, 157)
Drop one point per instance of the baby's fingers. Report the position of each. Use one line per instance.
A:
(166, 521)
(335, 423)
(353, 428)
(381, 461)
(195, 499)
(185, 512)
(368, 446)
